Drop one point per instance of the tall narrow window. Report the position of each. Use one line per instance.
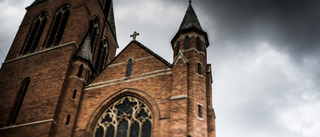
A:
(187, 42)
(198, 44)
(80, 71)
(19, 100)
(129, 68)
(58, 26)
(94, 31)
(199, 68)
(127, 117)
(74, 94)
(35, 34)
(102, 55)
(68, 119)
(199, 111)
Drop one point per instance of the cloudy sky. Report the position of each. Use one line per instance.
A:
(265, 57)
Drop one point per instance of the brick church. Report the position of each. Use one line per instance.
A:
(62, 78)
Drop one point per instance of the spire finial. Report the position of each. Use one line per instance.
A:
(190, 1)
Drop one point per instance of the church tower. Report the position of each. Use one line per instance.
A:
(61, 78)
(192, 77)
(59, 47)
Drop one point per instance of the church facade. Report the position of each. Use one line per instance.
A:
(62, 78)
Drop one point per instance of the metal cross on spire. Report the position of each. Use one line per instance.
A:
(190, 1)
(134, 35)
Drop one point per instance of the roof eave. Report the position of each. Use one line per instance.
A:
(190, 30)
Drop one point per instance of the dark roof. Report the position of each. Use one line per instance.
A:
(190, 23)
(37, 2)
(84, 51)
(190, 20)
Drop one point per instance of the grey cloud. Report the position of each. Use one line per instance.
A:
(290, 25)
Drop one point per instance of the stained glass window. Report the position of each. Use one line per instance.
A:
(127, 117)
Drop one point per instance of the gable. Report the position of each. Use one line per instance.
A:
(144, 61)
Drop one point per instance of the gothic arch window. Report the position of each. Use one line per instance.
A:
(129, 67)
(19, 100)
(198, 44)
(187, 42)
(35, 33)
(127, 117)
(58, 26)
(94, 31)
(102, 54)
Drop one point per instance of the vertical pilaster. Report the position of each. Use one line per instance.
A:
(179, 95)
(70, 99)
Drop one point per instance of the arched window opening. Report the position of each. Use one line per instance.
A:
(198, 44)
(187, 42)
(80, 71)
(129, 67)
(58, 26)
(199, 68)
(35, 34)
(94, 31)
(19, 100)
(126, 117)
(102, 55)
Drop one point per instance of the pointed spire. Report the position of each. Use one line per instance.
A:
(84, 51)
(190, 19)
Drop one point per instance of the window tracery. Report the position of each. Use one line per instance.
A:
(127, 117)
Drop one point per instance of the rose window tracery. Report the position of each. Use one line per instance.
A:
(127, 117)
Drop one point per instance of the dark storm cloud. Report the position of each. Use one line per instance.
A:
(289, 25)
